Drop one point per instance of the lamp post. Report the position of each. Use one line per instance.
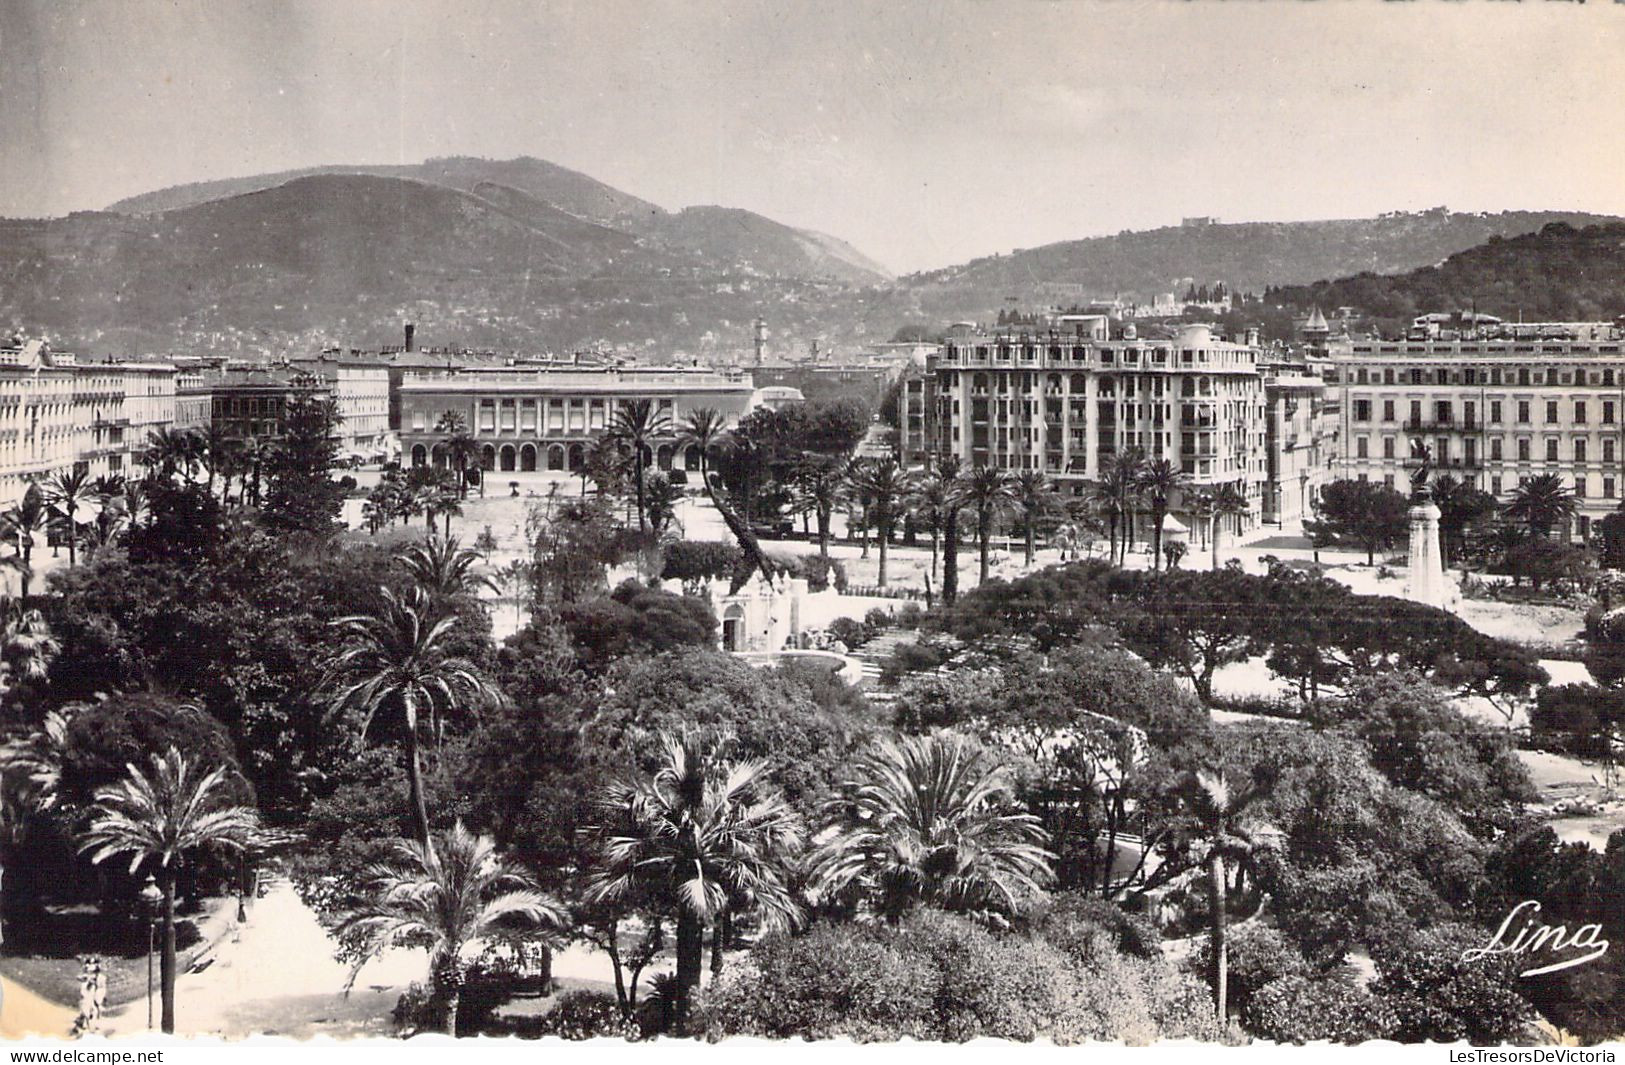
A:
(151, 898)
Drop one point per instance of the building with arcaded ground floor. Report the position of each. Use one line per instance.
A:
(541, 417)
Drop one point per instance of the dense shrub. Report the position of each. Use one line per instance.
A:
(586, 1015)
(1257, 955)
(1071, 919)
(878, 618)
(851, 632)
(940, 977)
(1297, 1009)
(1438, 996)
(695, 561)
(917, 657)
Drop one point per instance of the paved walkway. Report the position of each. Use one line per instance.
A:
(23, 1013)
(277, 976)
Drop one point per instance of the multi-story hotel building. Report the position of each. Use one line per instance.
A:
(1496, 405)
(542, 417)
(252, 401)
(57, 413)
(1068, 400)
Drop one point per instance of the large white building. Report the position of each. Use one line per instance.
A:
(57, 413)
(1497, 404)
(1067, 400)
(543, 417)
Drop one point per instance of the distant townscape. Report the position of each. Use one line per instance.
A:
(464, 597)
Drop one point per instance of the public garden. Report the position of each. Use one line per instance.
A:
(1186, 780)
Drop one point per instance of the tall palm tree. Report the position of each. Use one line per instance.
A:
(1228, 502)
(448, 898)
(702, 429)
(946, 473)
(460, 447)
(885, 485)
(258, 451)
(928, 820)
(1123, 475)
(929, 500)
(1159, 480)
(66, 491)
(1541, 503)
(988, 491)
(1223, 833)
(700, 839)
(213, 449)
(18, 525)
(1035, 496)
(640, 425)
(157, 818)
(822, 483)
(396, 661)
(442, 567)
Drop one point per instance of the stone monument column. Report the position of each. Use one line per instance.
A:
(1426, 581)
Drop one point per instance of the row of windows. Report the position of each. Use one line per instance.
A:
(1470, 375)
(1441, 450)
(1444, 410)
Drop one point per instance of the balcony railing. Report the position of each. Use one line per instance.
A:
(1466, 425)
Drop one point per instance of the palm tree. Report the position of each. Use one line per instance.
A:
(928, 820)
(988, 491)
(700, 839)
(169, 451)
(1223, 829)
(929, 499)
(1159, 480)
(213, 448)
(257, 453)
(821, 486)
(19, 524)
(460, 447)
(158, 818)
(885, 485)
(1122, 478)
(447, 898)
(30, 769)
(639, 425)
(1034, 495)
(396, 660)
(702, 429)
(27, 644)
(442, 567)
(66, 491)
(946, 474)
(1228, 501)
(1541, 503)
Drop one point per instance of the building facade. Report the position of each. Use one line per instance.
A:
(57, 414)
(1067, 402)
(1496, 405)
(361, 391)
(535, 417)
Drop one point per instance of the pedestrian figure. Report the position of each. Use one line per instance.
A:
(92, 995)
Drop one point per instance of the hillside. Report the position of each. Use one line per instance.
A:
(565, 189)
(1249, 256)
(1560, 274)
(346, 258)
(722, 237)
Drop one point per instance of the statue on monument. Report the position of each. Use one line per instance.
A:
(1423, 455)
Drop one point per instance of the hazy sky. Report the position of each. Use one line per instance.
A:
(925, 132)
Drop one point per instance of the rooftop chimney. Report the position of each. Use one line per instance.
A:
(410, 330)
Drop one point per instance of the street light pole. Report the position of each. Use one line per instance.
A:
(151, 897)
